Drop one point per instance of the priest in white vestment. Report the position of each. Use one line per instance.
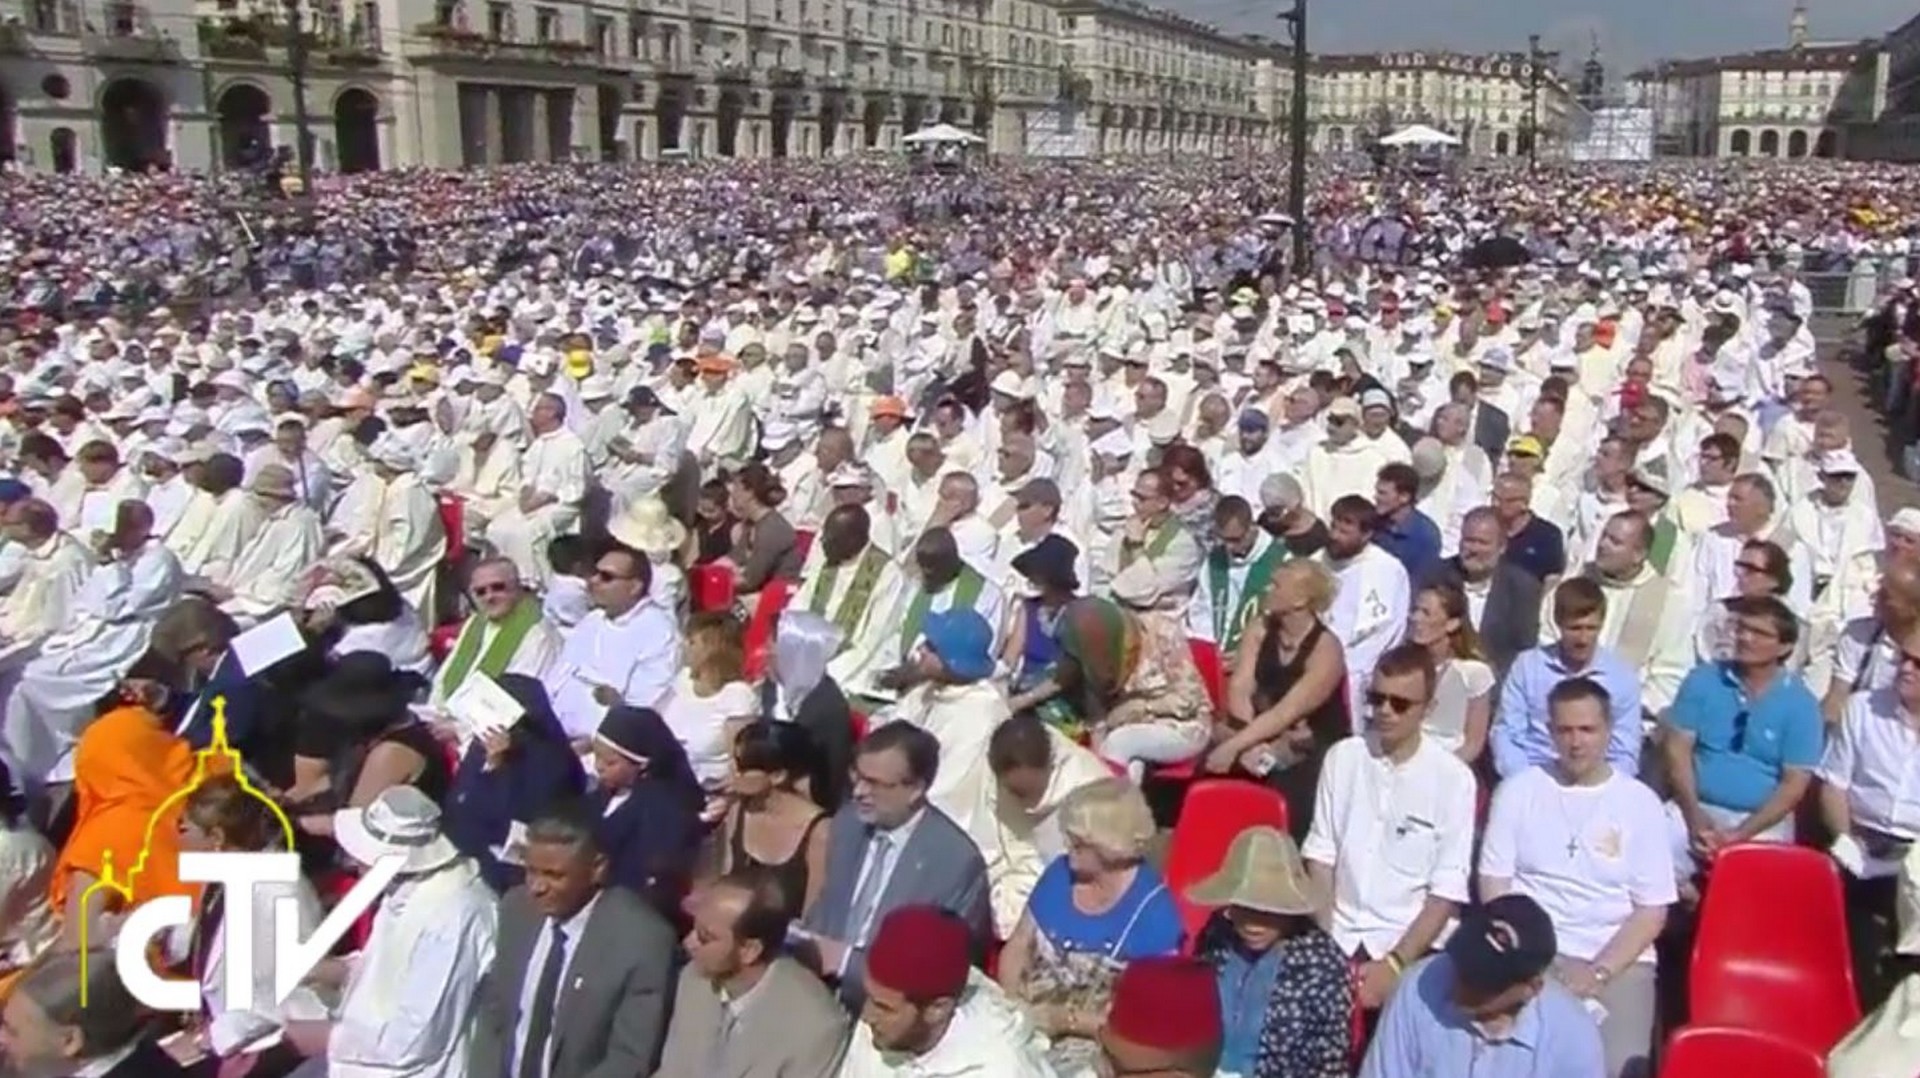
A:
(627, 650)
(936, 579)
(137, 581)
(488, 478)
(53, 568)
(948, 691)
(409, 539)
(91, 489)
(1036, 768)
(231, 522)
(255, 585)
(554, 477)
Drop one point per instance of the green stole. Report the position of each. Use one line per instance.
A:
(466, 651)
(966, 592)
(1156, 545)
(853, 606)
(1665, 534)
(1228, 624)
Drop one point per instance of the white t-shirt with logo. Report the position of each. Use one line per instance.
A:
(1587, 854)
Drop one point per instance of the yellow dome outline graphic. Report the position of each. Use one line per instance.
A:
(217, 748)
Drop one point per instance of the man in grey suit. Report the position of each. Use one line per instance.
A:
(744, 1008)
(582, 974)
(888, 848)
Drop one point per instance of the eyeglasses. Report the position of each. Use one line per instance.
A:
(1908, 658)
(481, 591)
(1399, 705)
(608, 576)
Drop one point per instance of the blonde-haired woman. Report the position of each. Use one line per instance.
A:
(1286, 704)
(1463, 693)
(711, 701)
(1095, 908)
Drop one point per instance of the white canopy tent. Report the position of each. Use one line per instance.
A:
(1419, 135)
(942, 135)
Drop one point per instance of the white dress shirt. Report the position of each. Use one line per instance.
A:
(1393, 835)
(1874, 758)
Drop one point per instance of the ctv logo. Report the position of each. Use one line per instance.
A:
(238, 873)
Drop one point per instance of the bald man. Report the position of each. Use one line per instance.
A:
(1867, 655)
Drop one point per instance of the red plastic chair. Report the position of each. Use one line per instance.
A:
(1753, 968)
(710, 587)
(1206, 657)
(1718, 1052)
(332, 886)
(773, 599)
(1214, 814)
(453, 518)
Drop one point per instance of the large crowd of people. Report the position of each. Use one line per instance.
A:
(816, 586)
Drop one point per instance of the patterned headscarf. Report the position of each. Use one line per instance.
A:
(1104, 640)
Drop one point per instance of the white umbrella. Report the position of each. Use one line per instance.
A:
(1419, 135)
(942, 134)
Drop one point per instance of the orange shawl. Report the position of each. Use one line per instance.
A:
(125, 766)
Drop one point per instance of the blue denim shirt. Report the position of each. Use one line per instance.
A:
(1246, 984)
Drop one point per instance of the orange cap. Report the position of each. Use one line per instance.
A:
(892, 406)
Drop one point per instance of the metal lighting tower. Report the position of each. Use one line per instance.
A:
(297, 62)
(1296, 20)
(1533, 101)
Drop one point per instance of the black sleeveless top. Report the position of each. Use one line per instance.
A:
(791, 874)
(1272, 678)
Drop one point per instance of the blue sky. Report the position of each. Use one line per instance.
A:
(1631, 32)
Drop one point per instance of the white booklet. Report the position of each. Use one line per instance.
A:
(481, 706)
(267, 643)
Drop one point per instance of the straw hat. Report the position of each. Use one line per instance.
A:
(648, 527)
(1263, 871)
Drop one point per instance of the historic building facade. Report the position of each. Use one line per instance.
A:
(1792, 102)
(1486, 101)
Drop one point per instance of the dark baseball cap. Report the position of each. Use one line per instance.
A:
(1502, 943)
(645, 397)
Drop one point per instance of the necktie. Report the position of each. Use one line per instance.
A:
(546, 992)
(867, 900)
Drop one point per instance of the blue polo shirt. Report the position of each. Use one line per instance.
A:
(1540, 549)
(1782, 728)
(1414, 543)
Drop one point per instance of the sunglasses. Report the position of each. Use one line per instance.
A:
(1908, 658)
(606, 576)
(1739, 742)
(1395, 703)
(1750, 567)
(481, 591)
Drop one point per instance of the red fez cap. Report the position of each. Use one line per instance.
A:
(1168, 1003)
(921, 952)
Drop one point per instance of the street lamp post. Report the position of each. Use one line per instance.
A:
(1296, 20)
(297, 63)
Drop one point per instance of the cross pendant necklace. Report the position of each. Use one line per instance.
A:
(1573, 847)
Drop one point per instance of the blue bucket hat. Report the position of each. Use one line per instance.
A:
(963, 641)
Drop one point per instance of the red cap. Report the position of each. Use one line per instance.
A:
(921, 952)
(1169, 1003)
(1496, 315)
